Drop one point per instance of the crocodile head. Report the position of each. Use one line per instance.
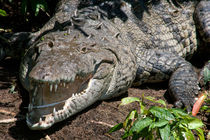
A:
(64, 75)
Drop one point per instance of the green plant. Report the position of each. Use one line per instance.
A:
(3, 12)
(158, 122)
(36, 6)
(206, 107)
(206, 75)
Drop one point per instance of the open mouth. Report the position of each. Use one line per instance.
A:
(51, 103)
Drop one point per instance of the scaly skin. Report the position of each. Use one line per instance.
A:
(97, 51)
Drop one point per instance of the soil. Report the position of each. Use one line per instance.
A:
(92, 123)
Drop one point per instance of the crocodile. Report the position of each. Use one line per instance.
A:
(96, 50)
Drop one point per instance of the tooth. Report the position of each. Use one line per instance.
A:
(56, 87)
(54, 111)
(51, 86)
(35, 91)
(40, 121)
(30, 107)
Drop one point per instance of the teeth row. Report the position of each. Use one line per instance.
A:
(63, 113)
(74, 95)
(56, 86)
(55, 116)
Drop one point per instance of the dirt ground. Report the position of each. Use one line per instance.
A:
(92, 123)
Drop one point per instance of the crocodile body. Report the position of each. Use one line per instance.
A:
(96, 50)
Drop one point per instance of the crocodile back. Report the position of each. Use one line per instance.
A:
(160, 25)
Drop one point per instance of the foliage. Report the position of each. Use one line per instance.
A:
(206, 74)
(158, 122)
(3, 12)
(206, 107)
(36, 6)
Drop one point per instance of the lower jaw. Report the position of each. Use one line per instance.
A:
(71, 106)
(52, 118)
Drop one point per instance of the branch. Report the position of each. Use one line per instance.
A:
(11, 120)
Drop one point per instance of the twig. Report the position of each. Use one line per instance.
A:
(106, 134)
(104, 123)
(7, 112)
(11, 120)
(47, 137)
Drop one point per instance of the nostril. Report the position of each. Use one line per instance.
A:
(43, 118)
(50, 44)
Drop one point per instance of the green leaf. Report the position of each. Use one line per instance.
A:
(177, 133)
(143, 109)
(205, 108)
(172, 137)
(140, 124)
(165, 132)
(3, 13)
(37, 5)
(207, 100)
(200, 133)
(206, 75)
(133, 114)
(42, 38)
(161, 102)
(187, 134)
(127, 134)
(195, 123)
(158, 124)
(116, 127)
(161, 113)
(129, 100)
(153, 100)
(149, 98)
(178, 112)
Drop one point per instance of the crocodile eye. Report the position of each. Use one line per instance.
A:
(50, 44)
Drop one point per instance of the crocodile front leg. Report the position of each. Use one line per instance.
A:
(155, 66)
